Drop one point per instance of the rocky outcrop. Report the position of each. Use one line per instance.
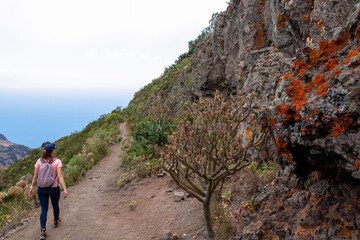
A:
(290, 208)
(302, 61)
(10, 152)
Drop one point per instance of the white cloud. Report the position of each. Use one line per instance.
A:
(136, 55)
(91, 44)
(91, 53)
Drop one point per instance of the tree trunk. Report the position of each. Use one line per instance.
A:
(207, 218)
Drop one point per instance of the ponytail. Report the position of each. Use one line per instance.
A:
(47, 156)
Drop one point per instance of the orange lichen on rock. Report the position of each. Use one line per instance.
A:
(341, 124)
(351, 54)
(311, 3)
(286, 112)
(303, 233)
(304, 83)
(331, 64)
(297, 93)
(308, 17)
(306, 131)
(293, 192)
(259, 36)
(357, 165)
(328, 49)
(345, 233)
(320, 25)
(281, 20)
(262, 3)
(279, 203)
(281, 148)
(259, 32)
(314, 57)
(298, 90)
(300, 66)
(337, 72)
(285, 76)
(321, 85)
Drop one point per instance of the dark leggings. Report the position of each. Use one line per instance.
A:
(44, 194)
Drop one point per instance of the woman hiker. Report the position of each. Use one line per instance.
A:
(48, 174)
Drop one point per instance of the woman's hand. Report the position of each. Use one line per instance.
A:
(31, 193)
(65, 193)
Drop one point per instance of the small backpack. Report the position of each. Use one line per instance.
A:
(45, 175)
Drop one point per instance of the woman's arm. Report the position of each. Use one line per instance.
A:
(61, 180)
(33, 182)
(35, 177)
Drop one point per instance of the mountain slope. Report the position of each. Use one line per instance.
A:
(10, 152)
(301, 59)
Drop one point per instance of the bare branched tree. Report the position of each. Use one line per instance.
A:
(211, 143)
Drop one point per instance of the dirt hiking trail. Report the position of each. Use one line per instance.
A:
(98, 209)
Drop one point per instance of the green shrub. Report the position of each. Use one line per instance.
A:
(141, 171)
(98, 144)
(105, 126)
(113, 117)
(132, 205)
(153, 164)
(71, 174)
(151, 134)
(267, 168)
(130, 161)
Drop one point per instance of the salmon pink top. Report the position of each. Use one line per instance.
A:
(56, 163)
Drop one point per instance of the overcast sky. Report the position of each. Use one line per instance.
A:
(107, 45)
(65, 63)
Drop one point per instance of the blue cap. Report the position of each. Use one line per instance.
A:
(49, 147)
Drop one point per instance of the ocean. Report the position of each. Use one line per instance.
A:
(32, 118)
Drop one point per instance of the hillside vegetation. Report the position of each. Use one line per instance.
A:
(78, 152)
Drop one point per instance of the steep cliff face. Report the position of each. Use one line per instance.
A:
(10, 152)
(301, 58)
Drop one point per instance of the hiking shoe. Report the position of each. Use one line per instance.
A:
(42, 235)
(56, 223)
